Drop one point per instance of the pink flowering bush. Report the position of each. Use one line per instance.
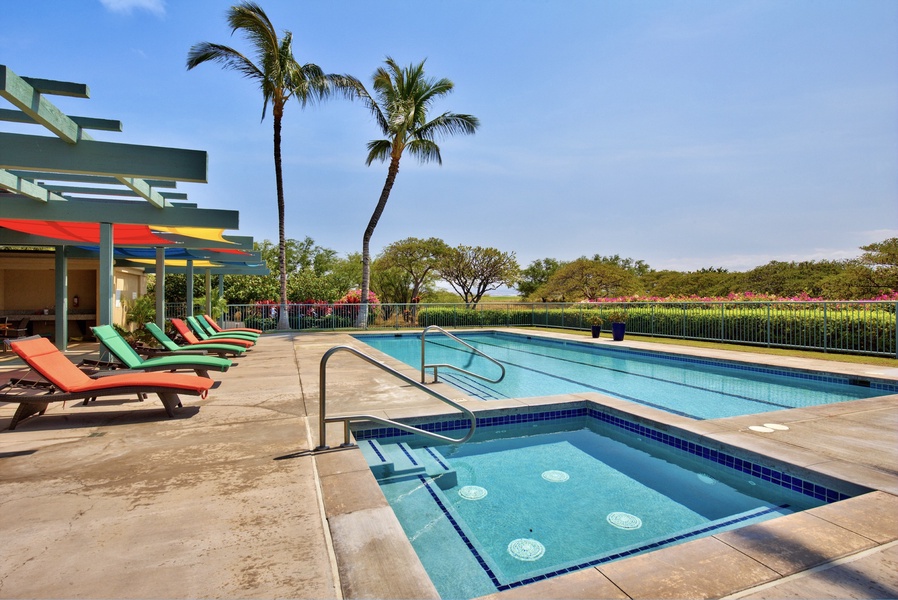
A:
(733, 297)
(355, 297)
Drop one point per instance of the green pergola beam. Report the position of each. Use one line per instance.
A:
(91, 157)
(31, 102)
(18, 185)
(58, 88)
(142, 189)
(95, 191)
(78, 178)
(83, 210)
(17, 116)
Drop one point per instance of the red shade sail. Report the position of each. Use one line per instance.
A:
(125, 235)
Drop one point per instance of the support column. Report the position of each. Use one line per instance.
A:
(189, 291)
(106, 299)
(208, 306)
(61, 330)
(160, 288)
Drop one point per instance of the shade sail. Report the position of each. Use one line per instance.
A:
(202, 233)
(130, 235)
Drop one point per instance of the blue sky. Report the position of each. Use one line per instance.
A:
(687, 134)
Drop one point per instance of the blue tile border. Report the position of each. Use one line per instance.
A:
(639, 549)
(587, 411)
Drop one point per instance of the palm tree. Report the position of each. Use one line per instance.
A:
(281, 77)
(401, 100)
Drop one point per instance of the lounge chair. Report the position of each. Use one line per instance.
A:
(218, 328)
(207, 327)
(189, 337)
(67, 382)
(213, 348)
(120, 348)
(201, 332)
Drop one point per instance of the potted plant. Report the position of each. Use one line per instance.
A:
(618, 318)
(595, 321)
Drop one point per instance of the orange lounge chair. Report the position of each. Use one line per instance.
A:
(218, 328)
(189, 337)
(68, 382)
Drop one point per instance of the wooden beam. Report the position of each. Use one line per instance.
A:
(142, 189)
(18, 185)
(32, 103)
(91, 157)
(17, 116)
(59, 88)
(97, 179)
(83, 210)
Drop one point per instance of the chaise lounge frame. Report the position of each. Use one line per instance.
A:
(63, 381)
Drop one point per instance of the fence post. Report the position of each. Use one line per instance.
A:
(824, 326)
(722, 320)
(768, 324)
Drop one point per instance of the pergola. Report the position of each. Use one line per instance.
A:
(86, 197)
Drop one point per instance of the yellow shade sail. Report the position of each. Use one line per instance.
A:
(200, 233)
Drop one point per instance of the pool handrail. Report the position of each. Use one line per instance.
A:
(323, 420)
(436, 367)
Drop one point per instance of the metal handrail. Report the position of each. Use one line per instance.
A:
(463, 343)
(323, 420)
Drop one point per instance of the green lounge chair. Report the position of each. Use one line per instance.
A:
(221, 350)
(210, 330)
(119, 348)
(201, 332)
(189, 337)
(218, 328)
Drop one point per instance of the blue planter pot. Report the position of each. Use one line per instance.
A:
(596, 330)
(617, 331)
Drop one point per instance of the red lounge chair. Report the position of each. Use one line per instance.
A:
(67, 382)
(184, 331)
(217, 328)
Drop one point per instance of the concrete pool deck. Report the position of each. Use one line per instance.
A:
(227, 500)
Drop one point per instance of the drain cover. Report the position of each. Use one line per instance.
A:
(623, 520)
(776, 426)
(704, 478)
(526, 549)
(472, 492)
(555, 476)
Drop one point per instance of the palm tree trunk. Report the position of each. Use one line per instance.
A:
(283, 321)
(366, 239)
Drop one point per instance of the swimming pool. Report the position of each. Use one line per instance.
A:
(688, 386)
(544, 492)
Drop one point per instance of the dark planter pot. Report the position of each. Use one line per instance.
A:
(617, 331)
(596, 330)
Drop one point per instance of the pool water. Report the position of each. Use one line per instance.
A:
(515, 508)
(698, 388)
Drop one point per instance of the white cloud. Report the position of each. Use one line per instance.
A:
(156, 7)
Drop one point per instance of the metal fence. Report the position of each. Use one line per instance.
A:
(862, 327)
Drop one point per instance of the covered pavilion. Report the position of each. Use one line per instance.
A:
(107, 201)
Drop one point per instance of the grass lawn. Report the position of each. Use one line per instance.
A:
(848, 358)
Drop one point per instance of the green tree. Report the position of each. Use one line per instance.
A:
(401, 101)
(536, 276)
(638, 267)
(281, 78)
(416, 258)
(585, 279)
(391, 284)
(473, 271)
(882, 260)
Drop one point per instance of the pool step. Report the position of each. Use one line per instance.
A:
(398, 460)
